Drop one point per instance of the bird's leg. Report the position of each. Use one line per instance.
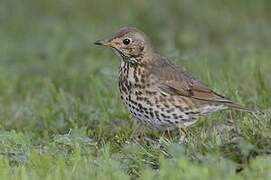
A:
(183, 135)
(167, 134)
(138, 131)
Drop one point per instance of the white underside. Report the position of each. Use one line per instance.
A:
(209, 109)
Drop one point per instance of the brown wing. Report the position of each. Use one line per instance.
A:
(176, 81)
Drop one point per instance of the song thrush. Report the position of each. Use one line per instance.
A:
(156, 92)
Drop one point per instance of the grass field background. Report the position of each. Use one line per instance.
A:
(60, 112)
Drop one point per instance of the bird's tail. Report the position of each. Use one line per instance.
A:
(242, 108)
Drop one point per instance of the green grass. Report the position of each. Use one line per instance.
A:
(60, 112)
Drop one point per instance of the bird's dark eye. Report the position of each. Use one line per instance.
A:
(126, 41)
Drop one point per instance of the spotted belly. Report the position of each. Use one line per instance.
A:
(159, 112)
(149, 105)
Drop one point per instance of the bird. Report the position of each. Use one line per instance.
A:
(159, 94)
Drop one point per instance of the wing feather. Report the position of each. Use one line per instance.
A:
(176, 81)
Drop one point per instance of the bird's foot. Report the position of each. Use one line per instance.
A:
(183, 132)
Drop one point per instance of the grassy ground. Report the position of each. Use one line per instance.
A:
(60, 112)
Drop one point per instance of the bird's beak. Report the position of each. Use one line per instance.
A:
(102, 42)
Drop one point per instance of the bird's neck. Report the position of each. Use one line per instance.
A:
(132, 75)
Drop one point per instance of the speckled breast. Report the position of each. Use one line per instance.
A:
(148, 104)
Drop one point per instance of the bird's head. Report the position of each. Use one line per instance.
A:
(128, 42)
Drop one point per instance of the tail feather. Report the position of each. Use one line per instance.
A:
(242, 108)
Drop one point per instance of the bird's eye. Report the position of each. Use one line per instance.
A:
(126, 41)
